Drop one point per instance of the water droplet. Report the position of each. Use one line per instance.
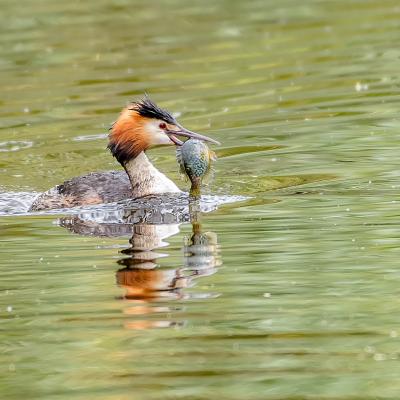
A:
(380, 357)
(369, 349)
(361, 86)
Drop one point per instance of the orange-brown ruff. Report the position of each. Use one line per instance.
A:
(139, 127)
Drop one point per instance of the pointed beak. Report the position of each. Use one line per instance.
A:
(183, 132)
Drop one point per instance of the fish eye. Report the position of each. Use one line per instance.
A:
(163, 125)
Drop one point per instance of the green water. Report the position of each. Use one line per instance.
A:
(298, 297)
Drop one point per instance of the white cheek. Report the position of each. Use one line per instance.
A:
(158, 137)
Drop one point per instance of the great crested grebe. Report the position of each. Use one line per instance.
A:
(139, 127)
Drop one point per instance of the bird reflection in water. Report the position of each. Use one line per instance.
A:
(145, 283)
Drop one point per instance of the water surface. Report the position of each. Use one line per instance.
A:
(293, 295)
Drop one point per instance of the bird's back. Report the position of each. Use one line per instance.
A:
(93, 188)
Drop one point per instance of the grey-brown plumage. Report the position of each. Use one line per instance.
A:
(93, 188)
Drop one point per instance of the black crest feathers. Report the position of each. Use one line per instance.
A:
(146, 108)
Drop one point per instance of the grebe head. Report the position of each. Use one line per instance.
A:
(143, 125)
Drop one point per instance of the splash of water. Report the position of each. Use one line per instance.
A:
(169, 208)
(15, 203)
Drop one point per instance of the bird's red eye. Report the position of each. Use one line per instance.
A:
(163, 125)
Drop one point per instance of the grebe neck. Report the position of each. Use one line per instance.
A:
(146, 179)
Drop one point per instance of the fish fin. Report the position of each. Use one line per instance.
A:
(179, 159)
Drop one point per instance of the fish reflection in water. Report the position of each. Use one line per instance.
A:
(144, 282)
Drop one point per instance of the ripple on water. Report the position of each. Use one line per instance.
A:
(17, 203)
(15, 145)
(89, 138)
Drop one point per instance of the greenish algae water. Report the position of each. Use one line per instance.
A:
(293, 295)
